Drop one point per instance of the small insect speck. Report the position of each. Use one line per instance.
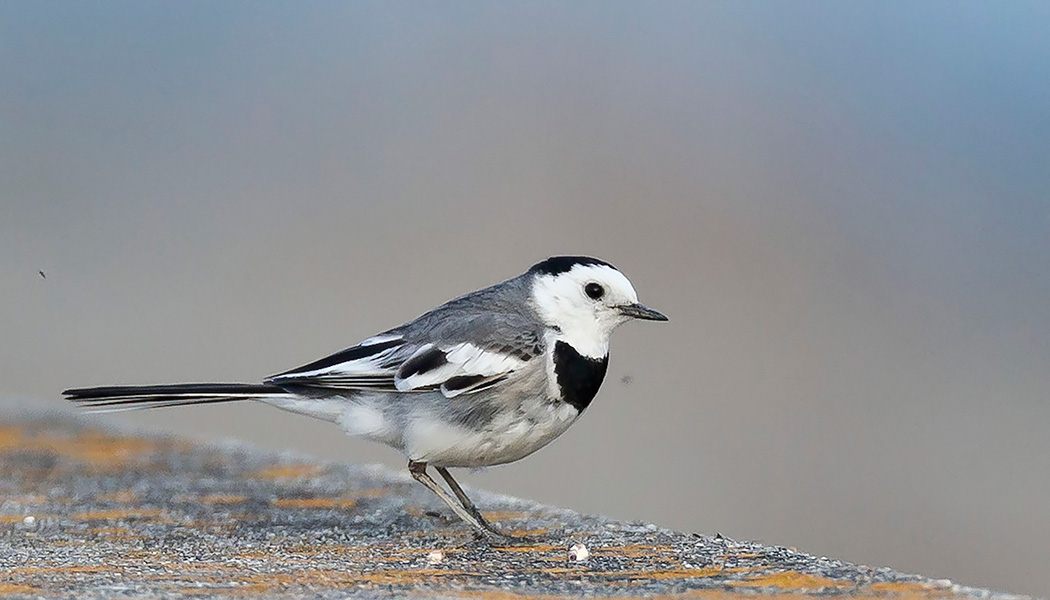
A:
(627, 380)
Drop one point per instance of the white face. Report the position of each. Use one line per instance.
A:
(585, 303)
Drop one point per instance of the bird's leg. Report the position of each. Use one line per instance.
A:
(473, 518)
(472, 509)
(464, 500)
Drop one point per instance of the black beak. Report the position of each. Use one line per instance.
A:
(639, 311)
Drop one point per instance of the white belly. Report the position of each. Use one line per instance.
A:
(507, 438)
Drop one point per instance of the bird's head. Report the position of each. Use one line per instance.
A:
(584, 299)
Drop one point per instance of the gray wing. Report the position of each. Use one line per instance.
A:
(459, 348)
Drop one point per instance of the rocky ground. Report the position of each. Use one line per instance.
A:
(92, 512)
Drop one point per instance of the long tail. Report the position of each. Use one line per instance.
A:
(138, 397)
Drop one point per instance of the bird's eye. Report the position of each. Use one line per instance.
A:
(594, 291)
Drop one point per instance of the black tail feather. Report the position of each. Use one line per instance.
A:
(132, 397)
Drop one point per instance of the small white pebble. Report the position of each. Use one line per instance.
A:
(579, 553)
(435, 557)
(29, 521)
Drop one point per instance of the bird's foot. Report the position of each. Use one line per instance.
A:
(498, 539)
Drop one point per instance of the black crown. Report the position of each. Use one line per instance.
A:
(561, 264)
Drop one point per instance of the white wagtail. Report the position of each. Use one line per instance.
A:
(485, 379)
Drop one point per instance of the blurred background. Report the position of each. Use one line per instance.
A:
(843, 207)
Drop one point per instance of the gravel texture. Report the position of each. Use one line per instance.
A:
(93, 512)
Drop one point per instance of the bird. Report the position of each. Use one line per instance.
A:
(485, 379)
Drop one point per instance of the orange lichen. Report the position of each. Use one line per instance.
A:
(908, 588)
(792, 580)
(503, 515)
(100, 450)
(264, 583)
(637, 550)
(11, 588)
(413, 576)
(315, 503)
(558, 570)
(288, 472)
(662, 573)
(223, 499)
(372, 493)
(426, 550)
(10, 437)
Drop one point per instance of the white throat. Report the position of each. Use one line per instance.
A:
(586, 338)
(583, 323)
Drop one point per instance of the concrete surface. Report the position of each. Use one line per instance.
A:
(87, 511)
